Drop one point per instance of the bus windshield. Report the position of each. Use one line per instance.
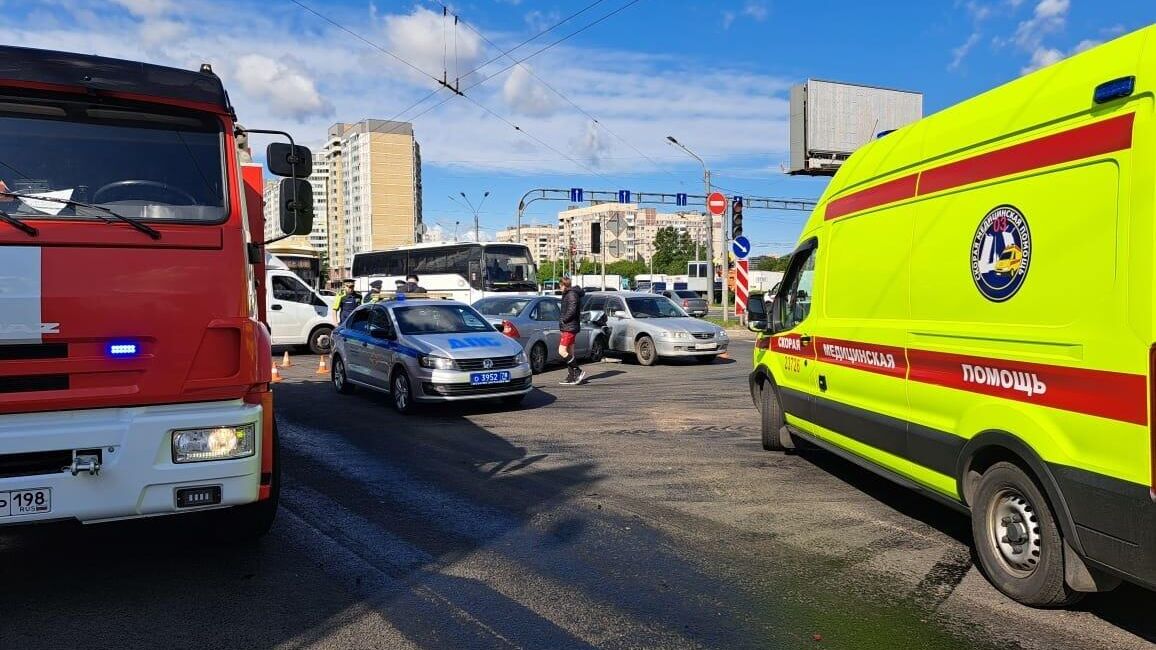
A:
(509, 268)
(143, 165)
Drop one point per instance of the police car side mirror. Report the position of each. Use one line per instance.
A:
(378, 332)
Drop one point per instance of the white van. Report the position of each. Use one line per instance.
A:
(298, 315)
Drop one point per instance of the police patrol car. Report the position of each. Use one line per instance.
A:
(925, 328)
(428, 351)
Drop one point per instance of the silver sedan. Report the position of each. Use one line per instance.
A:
(533, 322)
(651, 327)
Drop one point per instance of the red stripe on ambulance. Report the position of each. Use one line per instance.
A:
(1102, 393)
(793, 345)
(882, 359)
(1088, 141)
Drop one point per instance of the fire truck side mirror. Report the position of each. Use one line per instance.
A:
(296, 206)
(293, 161)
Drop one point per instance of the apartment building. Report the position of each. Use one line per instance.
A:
(373, 197)
(542, 240)
(628, 231)
(319, 180)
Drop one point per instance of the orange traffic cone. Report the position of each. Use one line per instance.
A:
(322, 369)
(276, 375)
(285, 361)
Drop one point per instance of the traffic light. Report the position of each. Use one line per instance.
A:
(596, 238)
(737, 219)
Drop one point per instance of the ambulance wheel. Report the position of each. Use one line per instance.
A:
(340, 379)
(402, 392)
(321, 340)
(773, 418)
(538, 358)
(1019, 545)
(645, 351)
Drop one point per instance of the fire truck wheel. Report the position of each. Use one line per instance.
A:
(1017, 540)
(773, 419)
(250, 522)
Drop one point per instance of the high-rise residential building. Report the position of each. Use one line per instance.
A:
(374, 190)
(319, 180)
(628, 232)
(542, 240)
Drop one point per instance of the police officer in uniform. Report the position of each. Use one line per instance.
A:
(374, 294)
(347, 300)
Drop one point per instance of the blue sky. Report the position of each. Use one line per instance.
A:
(713, 74)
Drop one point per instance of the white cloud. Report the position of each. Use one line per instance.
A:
(1041, 58)
(289, 93)
(526, 95)
(146, 8)
(426, 39)
(1085, 45)
(539, 21)
(961, 52)
(756, 10)
(1048, 18)
(280, 77)
(728, 18)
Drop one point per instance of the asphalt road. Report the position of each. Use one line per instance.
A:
(638, 511)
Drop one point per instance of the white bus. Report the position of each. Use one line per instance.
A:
(467, 271)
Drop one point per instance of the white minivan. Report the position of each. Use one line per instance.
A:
(298, 315)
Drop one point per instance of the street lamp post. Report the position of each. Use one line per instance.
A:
(709, 224)
(477, 229)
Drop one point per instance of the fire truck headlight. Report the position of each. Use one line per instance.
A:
(214, 443)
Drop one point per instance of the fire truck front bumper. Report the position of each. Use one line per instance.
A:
(121, 463)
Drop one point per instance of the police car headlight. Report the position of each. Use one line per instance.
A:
(520, 358)
(435, 363)
(214, 443)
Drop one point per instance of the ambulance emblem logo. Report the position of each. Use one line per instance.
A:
(1000, 253)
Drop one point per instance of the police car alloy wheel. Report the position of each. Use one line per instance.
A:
(340, 380)
(401, 392)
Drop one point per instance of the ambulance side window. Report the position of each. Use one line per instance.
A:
(793, 302)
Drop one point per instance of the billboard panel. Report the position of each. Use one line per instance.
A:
(830, 120)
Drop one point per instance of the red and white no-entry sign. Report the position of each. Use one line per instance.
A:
(716, 203)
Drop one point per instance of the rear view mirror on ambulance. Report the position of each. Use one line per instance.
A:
(924, 327)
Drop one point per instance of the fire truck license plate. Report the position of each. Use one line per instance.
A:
(25, 502)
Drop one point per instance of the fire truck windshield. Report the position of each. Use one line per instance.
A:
(145, 166)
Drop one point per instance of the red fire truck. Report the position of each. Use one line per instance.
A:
(134, 355)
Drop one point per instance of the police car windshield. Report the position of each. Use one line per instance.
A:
(501, 306)
(440, 319)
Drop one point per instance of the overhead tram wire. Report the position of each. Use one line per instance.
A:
(555, 43)
(462, 94)
(559, 93)
(528, 40)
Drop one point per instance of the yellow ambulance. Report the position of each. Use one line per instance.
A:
(970, 311)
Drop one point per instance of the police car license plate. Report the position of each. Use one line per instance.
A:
(25, 502)
(478, 378)
(705, 346)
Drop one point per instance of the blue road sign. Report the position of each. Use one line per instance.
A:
(741, 247)
(575, 194)
(680, 199)
(624, 196)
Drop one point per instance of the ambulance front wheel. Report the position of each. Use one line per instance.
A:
(1019, 545)
(773, 418)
